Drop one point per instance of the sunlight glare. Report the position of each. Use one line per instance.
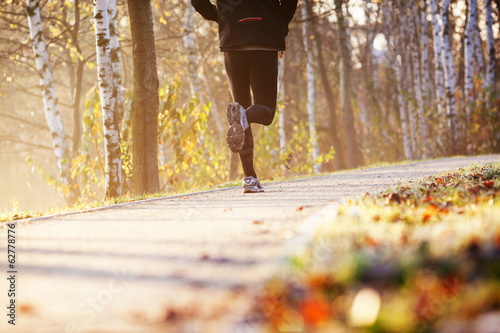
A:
(365, 308)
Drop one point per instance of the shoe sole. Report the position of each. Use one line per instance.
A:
(235, 137)
(252, 189)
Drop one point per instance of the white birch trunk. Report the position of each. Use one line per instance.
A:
(313, 136)
(449, 75)
(478, 50)
(54, 122)
(115, 57)
(398, 63)
(424, 49)
(281, 91)
(438, 76)
(370, 35)
(402, 111)
(413, 130)
(108, 100)
(417, 82)
(489, 81)
(468, 59)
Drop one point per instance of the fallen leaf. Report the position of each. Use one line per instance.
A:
(315, 310)
(394, 197)
(488, 183)
(428, 198)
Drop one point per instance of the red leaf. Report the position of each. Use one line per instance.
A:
(315, 310)
(488, 183)
(429, 198)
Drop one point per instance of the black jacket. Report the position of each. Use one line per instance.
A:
(243, 23)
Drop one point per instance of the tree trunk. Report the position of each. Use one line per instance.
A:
(478, 50)
(391, 32)
(77, 130)
(449, 79)
(78, 78)
(417, 84)
(489, 81)
(311, 92)
(115, 60)
(353, 153)
(108, 93)
(424, 49)
(145, 99)
(405, 133)
(468, 58)
(438, 76)
(54, 122)
(408, 81)
(339, 160)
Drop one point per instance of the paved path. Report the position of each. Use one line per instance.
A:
(179, 264)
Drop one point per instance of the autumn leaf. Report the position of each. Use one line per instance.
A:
(489, 183)
(315, 310)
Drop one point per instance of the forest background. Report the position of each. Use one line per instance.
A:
(361, 82)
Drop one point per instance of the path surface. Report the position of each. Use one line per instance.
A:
(178, 264)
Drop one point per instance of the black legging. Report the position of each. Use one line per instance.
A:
(256, 71)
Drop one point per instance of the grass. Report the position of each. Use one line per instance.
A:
(419, 258)
(15, 215)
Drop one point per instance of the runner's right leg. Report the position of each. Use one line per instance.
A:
(239, 83)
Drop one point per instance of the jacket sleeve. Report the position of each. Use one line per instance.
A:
(288, 8)
(206, 9)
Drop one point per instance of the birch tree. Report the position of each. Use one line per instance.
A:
(78, 77)
(313, 135)
(449, 78)
(424, 49)
(345, 66)
(417, 84)
(438, 76)
(115, 58)
(489, 81)
(333, 125)
(390, 31)
(408, 81)
(108, 94)
(478, 50)
(50, 101)
(468, 58)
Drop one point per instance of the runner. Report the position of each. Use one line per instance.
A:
(251, 35)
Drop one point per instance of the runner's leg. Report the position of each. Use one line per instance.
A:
(239, 83)
(264, 82)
